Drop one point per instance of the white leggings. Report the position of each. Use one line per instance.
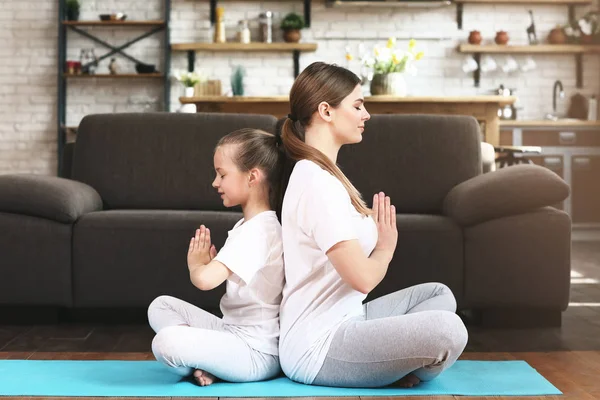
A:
(204, 344)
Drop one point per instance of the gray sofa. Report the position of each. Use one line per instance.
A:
(114, 232)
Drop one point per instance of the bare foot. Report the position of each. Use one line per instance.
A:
(407, 381)
(203, 378)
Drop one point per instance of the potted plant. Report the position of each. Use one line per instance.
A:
(389, 66)
(237, 81)
(291, 25)
(589, 26)
(189, 80)
(72, 10)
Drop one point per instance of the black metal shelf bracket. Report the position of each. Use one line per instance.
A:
(296, 63)
(213, 11)
(477, 72)
(191, 54)
(307, 12)
(579, 69)
(571, 13)
(459, 15)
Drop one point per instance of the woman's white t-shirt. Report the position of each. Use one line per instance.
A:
(253, 252)
(317, 214)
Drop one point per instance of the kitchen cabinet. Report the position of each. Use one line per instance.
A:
(506, 137)
(483, 108)
(585, 185)
(572, 150)
(546, 138)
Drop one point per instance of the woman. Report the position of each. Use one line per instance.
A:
(336, 250)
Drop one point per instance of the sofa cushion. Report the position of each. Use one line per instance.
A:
(415, 159)
(155, 160)
(509, 191)
(125, 258)
(57, 199)
(35, 268)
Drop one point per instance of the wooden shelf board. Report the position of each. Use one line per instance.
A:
(548, 123)
(117, 76)
(114, 23)
(388, 3)
(368, 99)
(528, 49)
(305, 47)
(529, 2)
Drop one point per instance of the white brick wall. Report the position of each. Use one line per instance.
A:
(28, 60)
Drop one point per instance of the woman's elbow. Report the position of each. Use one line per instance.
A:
(363, 290)
(362, 287)
(203, 282)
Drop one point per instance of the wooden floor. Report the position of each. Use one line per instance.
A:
(569, 356)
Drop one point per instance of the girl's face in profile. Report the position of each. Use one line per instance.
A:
(231, 183)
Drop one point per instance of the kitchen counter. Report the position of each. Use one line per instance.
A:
(368, 99)
(569, 123)
(483, 108)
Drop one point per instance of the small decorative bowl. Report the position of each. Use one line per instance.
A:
(118, 17)
(145, 68)
(113, 17)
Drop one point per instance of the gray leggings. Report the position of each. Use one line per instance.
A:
(204, 344)
(415, 330)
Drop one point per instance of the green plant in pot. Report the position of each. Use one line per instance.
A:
(72, 10)
(237, 81)
(291, 25)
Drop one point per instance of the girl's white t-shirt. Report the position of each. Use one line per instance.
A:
(253, 252)
(317, 214)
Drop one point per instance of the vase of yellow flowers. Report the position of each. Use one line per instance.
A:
(390, 66)
(189, 81)
(391, 84)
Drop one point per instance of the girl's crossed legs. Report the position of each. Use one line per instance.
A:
(190, 339)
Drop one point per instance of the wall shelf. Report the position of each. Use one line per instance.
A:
(114, 76)
(567, 49)
(295, 48)
(152, 27)
(388, 3)
(307, 11)
(528, 49)
(114, 23)
(570, 3)
(256, 46)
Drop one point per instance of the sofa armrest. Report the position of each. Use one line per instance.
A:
(507, 191)
(58, 199)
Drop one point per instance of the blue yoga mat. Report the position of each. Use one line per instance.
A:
(149, 378)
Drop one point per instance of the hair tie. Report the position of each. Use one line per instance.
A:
(290, 116)
(278, 140)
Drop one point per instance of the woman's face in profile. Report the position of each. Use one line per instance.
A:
(349, 118)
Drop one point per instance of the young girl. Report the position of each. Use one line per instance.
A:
(337, 250)
(243, 346)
